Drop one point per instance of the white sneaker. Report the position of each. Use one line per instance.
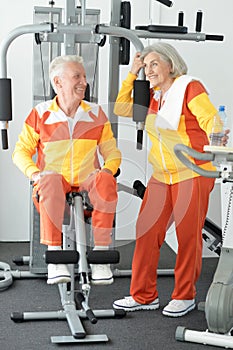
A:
(58, 273)
(177, 308)
(129, 304)
(101, 274)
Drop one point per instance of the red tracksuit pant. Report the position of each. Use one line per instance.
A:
(186, 204)
(52, 189)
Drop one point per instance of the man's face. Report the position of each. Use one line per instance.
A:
(72, 83)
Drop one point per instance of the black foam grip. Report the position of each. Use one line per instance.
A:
(61, 256)
(125, 14)
(4, 139)
(180, 18)
(214, 37)
(199, 21)
(167, 29)
(103, 257)
(91, 317)
(5, 100)
(124, 52)
(141, 100)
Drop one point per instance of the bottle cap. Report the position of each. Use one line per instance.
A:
(221, 108)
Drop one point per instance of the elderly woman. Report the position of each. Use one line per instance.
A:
(180, 112)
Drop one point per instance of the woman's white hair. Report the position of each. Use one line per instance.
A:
(168, 54)
(57, 66)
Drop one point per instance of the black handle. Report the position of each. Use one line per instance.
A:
(139, 139)
(5, 108)
(4, 139)
(214, 37)
(181, 18)
(199, 21)
(141, 101)
(91, 317)
(89, 313)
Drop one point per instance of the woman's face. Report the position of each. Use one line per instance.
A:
(157, 71)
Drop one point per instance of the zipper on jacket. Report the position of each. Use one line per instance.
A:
(71, 128)
(71, 162)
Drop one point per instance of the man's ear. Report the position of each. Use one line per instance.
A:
(57, 81)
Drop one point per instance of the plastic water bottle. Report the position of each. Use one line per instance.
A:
(219, 127)
(223, 116)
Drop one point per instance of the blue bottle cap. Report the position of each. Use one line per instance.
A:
(221, 108)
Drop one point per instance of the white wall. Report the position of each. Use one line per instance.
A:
(211, 61)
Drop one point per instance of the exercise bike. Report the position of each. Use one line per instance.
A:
(219, 301)
(74, 295)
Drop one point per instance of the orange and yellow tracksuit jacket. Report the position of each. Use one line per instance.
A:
(194, 127)
(72, 151)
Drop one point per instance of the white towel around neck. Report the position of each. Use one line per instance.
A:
(168, 117)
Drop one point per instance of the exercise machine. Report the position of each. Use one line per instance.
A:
(69, 36)
(219, 301)
(75, 295)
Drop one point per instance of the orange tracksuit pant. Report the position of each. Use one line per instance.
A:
(52, 189)
(186, 204)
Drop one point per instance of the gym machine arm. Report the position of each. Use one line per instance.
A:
(5, 83)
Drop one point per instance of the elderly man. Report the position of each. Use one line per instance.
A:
(69, 134)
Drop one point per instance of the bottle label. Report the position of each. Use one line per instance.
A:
(216, 138)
